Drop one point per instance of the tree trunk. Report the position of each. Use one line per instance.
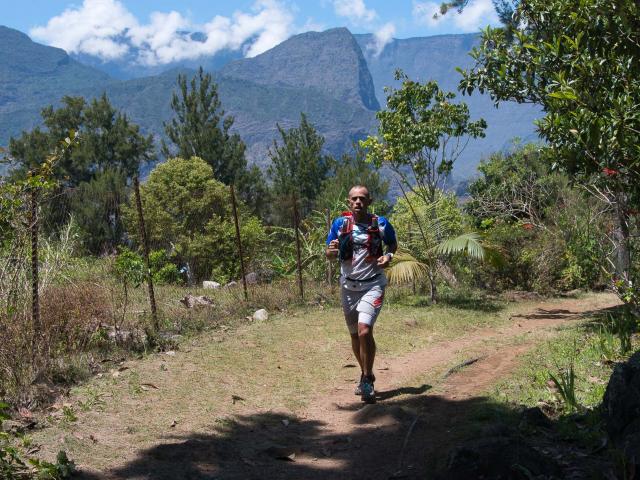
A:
(433, 290)
(296, 226)
(239, 241)
(145, 245)
(329, 264)
(621, 238)
(35, 295)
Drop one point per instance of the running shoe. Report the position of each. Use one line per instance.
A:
(358, 389)
(368, 393)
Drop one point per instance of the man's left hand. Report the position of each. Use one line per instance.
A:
(384, 261)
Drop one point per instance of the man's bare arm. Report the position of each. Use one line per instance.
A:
(332, 250)
(385, 259)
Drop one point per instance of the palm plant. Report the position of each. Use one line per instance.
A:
(407, 268)
(432, 233)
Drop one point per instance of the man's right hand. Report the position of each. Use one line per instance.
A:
(332, 249)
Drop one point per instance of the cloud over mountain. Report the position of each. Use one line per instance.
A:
(106, 29)
(475, 15)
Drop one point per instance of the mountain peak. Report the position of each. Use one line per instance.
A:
(329, 61)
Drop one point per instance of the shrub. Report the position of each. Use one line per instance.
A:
(188, 214)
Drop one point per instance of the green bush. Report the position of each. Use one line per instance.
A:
(188, 214)
(552, 234)
(164, 272)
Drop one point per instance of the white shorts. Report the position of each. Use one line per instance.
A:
(362, 306)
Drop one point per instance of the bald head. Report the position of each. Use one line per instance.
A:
(361, 190)
(359, 201)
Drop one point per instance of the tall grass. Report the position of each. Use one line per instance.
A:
(87, 316)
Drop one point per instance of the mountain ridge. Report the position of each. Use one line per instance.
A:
(332, 76)
(337, 59)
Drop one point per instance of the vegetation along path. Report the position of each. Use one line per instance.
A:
(275, 399)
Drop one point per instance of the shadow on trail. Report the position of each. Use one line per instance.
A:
(462, 301)
(403, 438)
(546, 313)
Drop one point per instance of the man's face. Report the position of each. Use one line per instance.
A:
(359, 200)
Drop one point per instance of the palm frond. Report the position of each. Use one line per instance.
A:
(406, 268)
(468, 243)
(472, 245)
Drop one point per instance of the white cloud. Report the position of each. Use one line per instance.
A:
(105, 28)
(475, 15)
(381, 37)
(92, 28)
(355, 10)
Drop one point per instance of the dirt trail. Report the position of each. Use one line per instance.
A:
(337, 437)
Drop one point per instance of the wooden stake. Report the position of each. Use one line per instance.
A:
(296, 226)
(329, 264)
(145, 246)
(35, 294)
(239, 240)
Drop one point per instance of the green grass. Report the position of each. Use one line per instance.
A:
(580, 357)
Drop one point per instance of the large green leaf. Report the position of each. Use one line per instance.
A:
(470, 244)
(405, 268)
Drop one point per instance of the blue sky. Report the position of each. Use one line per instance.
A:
(112, 28)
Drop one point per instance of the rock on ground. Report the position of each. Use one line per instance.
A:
(210, 285)
(191, 301)
(621, 408)
(261, 315)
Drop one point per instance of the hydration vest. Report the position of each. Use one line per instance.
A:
(374, 238)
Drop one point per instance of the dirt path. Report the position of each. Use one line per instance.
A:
(336, 436)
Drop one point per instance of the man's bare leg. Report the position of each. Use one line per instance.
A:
(355, 346)
(367, 348)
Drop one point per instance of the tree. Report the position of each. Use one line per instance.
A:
(422, 132)
(515, 186)
(298, 166)
(421, 135)
(348, 171)
(188, 213)
(96, 210)
(421, 226)
(504, 8)
(109, 143)
(579, 62)
(201, 129)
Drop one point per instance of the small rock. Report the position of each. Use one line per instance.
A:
(251, 278)
(231, 284)
(191, 301)
(535, 417)
(210, 285)
(260, 315)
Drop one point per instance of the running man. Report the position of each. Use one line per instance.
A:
(356, 238)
